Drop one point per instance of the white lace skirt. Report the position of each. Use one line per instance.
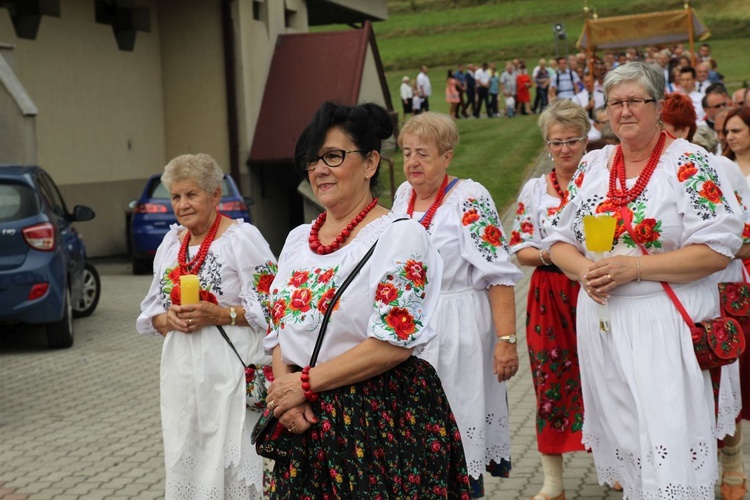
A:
(205, 425)
(650, 418)
(463, 355)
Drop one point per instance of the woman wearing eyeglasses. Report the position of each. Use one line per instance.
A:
(650, 411)
(475, 350)
(370, 420)
(550, 308)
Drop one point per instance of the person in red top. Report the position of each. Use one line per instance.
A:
(523, 95)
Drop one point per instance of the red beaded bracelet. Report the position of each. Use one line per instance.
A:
(305, 378)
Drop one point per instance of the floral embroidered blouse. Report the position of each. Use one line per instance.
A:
(534, 213)
(688, 200)
(467, 230)
(391, 300)
(238, 269)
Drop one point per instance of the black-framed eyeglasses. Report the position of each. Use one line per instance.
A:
(632, 103)
(332, 158)
(718, 106)
(571, 143)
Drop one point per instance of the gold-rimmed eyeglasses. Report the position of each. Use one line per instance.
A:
(332, 158)
(571, 143)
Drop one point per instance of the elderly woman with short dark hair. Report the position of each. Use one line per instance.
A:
(205, 423)
(650, 410)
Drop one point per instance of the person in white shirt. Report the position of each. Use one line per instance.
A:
(702, 70)
(482, 76)
(425, 88)
(687, 84)
(407, 95)
(565, 82)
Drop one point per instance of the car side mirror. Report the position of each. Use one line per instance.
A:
(132, 204)
(82, 213)
(249, 201)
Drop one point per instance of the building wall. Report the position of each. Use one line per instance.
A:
(100, 122)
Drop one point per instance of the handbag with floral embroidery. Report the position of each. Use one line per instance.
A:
(257, 379)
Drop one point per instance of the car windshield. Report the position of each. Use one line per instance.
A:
(17, 201)
(160, 190)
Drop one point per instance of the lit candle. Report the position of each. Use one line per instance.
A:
(190, 287)
(599, 231)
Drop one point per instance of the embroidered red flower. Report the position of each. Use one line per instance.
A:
(645, 231)
(553, 210)
(711, 192)
(686, 171)
(278, 310)
(607, 206)
(746, 232)
(515, 238)
(527, 227)
(268, 372)
(579, 180)
(299, 278)
(731, 292)
(416, 273)
(521, 208)
(492, 235)
(301, 299)
(326, 276)
(207, 296)
(174, 275)
(386, 293)
(176, 296)
(401, 321)
(719, 331)
(325, 300)
(469, 217)
(263, 284)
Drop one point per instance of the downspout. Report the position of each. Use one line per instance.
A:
(227, 26)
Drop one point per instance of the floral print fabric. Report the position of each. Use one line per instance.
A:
(392, 436)
(390, 300)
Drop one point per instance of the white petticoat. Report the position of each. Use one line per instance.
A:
(463, 355)
(650, 418)
(205, 425)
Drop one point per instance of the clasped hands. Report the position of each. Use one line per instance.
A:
(605, 275)
(191, 317)
(287, 400)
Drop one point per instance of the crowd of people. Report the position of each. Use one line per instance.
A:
(407, 395)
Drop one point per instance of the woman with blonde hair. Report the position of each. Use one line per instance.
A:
(475, 351)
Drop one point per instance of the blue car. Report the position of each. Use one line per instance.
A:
(44, 276)
(152, 215)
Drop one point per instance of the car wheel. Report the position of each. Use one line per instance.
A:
(142, 266)
(92, 289)
(60, 333)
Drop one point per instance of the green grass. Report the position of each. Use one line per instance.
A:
(499, 153)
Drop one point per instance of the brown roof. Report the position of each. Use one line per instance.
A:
(308, 69)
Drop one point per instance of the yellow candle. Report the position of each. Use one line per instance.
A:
(190, 287)
(599, 231)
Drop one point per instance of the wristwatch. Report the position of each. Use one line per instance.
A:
(510, 339)
(233, 316)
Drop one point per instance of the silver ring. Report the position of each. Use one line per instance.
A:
(190, 321)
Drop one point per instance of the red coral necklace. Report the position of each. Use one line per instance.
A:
(562, 194)
(196, 262)
(315, 244)
(623, 196)
(427, 218)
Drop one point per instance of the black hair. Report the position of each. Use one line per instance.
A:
(367, 125)
(688, 69)
(714, 88)
(450, 73)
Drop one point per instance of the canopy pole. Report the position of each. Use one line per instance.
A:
(690, 32)
(589, 46)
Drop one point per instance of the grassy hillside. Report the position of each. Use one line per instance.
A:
(442, 33)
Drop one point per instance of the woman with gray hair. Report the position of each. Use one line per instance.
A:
(205, 424)
(551, 304)
(650, 410)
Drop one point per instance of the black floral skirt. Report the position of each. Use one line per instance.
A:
(390, 437)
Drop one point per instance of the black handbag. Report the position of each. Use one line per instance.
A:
(271, 439)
